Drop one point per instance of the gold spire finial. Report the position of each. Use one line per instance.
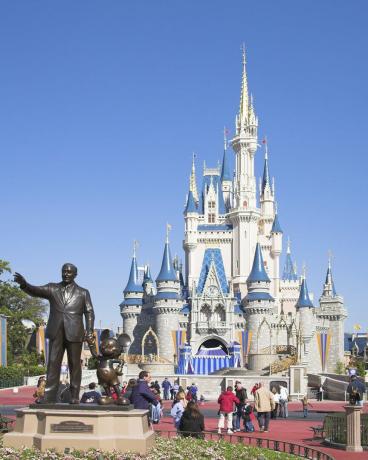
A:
(304, 270)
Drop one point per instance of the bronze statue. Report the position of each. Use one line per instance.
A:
(65, 330)
(110, 350)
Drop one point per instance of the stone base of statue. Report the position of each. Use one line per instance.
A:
(81, 427)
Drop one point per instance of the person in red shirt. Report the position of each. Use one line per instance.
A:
(254, 389)
(227, 399)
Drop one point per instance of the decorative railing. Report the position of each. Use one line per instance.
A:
(279, 349)
(298, 450)
(212, 325)
(335, 428)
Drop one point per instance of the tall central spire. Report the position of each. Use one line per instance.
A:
(244, 97)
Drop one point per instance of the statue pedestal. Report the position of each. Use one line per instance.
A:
(77, 428)
(353, 435)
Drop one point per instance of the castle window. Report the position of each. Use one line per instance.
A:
(211, 218)
(211, 205)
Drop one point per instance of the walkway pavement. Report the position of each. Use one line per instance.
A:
(293, 429)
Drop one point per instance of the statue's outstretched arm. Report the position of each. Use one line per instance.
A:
(34, 291)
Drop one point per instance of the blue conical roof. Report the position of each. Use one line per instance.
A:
(266, 175)
(304, 301)
(133, 282)
(289, 270)
(191, 205)
(276, 227)
(225, 170)
(329, 279)
(147, 275)
(167, 272)
(258, 272)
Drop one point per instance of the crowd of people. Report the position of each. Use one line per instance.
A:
(236, 412)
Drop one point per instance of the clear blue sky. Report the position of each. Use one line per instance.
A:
(103, 103)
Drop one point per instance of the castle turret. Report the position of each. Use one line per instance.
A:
(131, 306)
(258, 305)
(167, 304)
(304, 307)
(191, 219)
(332, 309)
(266, 197)
(276, 248)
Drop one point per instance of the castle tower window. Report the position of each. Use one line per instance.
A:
(211, 218)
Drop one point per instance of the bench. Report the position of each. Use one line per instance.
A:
(318, 432)
(4, 424)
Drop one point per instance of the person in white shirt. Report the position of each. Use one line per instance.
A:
(284, 395)
(276, 397)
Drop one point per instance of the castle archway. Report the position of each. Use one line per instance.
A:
(214, 342)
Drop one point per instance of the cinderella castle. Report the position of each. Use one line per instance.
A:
(233, 306)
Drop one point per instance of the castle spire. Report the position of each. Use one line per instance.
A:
(193, 181)
(258, 272)
(304, 301)
(133, 284)
(244, 97)
(225, 169)
(147, 275)
(167, 272)
(329, 286)
(191, 205)
(289, 272)
(276, 227)
(266, 173)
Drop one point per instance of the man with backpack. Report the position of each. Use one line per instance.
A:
(356, 390)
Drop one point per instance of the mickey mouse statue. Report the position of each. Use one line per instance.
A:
(110, 350)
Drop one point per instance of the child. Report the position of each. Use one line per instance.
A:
(178, 408)
(156, 411)
(305, 405)
(246, 414)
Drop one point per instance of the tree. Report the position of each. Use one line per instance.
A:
(16, 305)
(360, 365)
(340, 368)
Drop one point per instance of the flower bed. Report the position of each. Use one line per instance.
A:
(165, 449)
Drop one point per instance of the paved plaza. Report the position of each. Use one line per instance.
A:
(293, 429)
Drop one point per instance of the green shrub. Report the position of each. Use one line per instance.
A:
(12, 376)
(165, 449)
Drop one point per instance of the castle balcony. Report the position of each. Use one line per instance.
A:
(212, 327)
